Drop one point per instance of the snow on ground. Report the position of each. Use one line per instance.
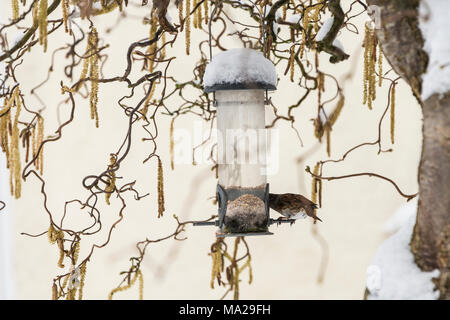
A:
(393, 273)
(434, 22)
(401, 216)
(240, 65)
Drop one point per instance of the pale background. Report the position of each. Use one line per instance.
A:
(285, 265)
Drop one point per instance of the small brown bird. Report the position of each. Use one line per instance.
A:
(292, 206)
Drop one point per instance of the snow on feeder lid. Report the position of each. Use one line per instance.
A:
(240, 69)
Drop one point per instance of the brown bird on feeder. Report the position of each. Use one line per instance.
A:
(292, 206)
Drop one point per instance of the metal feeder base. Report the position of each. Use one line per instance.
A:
(226, 235)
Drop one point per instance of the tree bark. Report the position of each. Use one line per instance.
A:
(402, 44)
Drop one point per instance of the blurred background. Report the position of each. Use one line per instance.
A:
(286, 265)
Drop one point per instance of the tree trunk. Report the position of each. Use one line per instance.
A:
(402, 44)
(430, 243)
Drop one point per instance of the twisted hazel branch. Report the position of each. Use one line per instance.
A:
(326, 44)
(28, 34)
(370, 174)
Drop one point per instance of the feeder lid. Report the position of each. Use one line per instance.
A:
(240, 69)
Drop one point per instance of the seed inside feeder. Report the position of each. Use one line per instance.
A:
(246, 214)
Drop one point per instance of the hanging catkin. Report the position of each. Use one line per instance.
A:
(111, 180)
(5, 123)
(314, 183)
(292, 64)
(188, 26)
(15, 165)
(180, 12)
(305, 24)
(195, 20)
(42, 20)
(93, 74)
(206, 9)
(163, 47)
(82, 280)
(141, 285)
(328, 135)
(337, 111)
(39, 164)
(380, 65)
(392, 113)
(160, 189)
(65, 12)
(15, 9)
(370, 57)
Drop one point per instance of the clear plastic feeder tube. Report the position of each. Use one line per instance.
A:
(241, 137)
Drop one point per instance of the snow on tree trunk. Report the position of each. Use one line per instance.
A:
(403, 45)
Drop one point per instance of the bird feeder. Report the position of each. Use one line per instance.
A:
(240, 79)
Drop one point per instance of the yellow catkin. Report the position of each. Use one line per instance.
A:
(171, 144)
(35, 13)
(195, 20)
(54, 292)
(71, 294)
(160, 189)
(370, 57)
(315, 183)
(206, 9)
(65, 13)
(125, 287)
(337, 111)
(82, 280)
(34, 142)
(180, 11)
(76, 252)
(86, 62)
(15, 164)
(163, 47)
(94, 74)
(316, 17)
(60, 242)
(199, 17)
(106, 8)
(40, 138)
(284, 11)
(306, 20)
(380, 66)
(52, 234)
(111, 182)
(292, 64)
(372, 83)
(328, 133)
(65, 281)
(42, 20)
(366, 62)
(392, 113)
(141, 285)
(15, 9)
(217, 261)
(5, 120)
(188, 26)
